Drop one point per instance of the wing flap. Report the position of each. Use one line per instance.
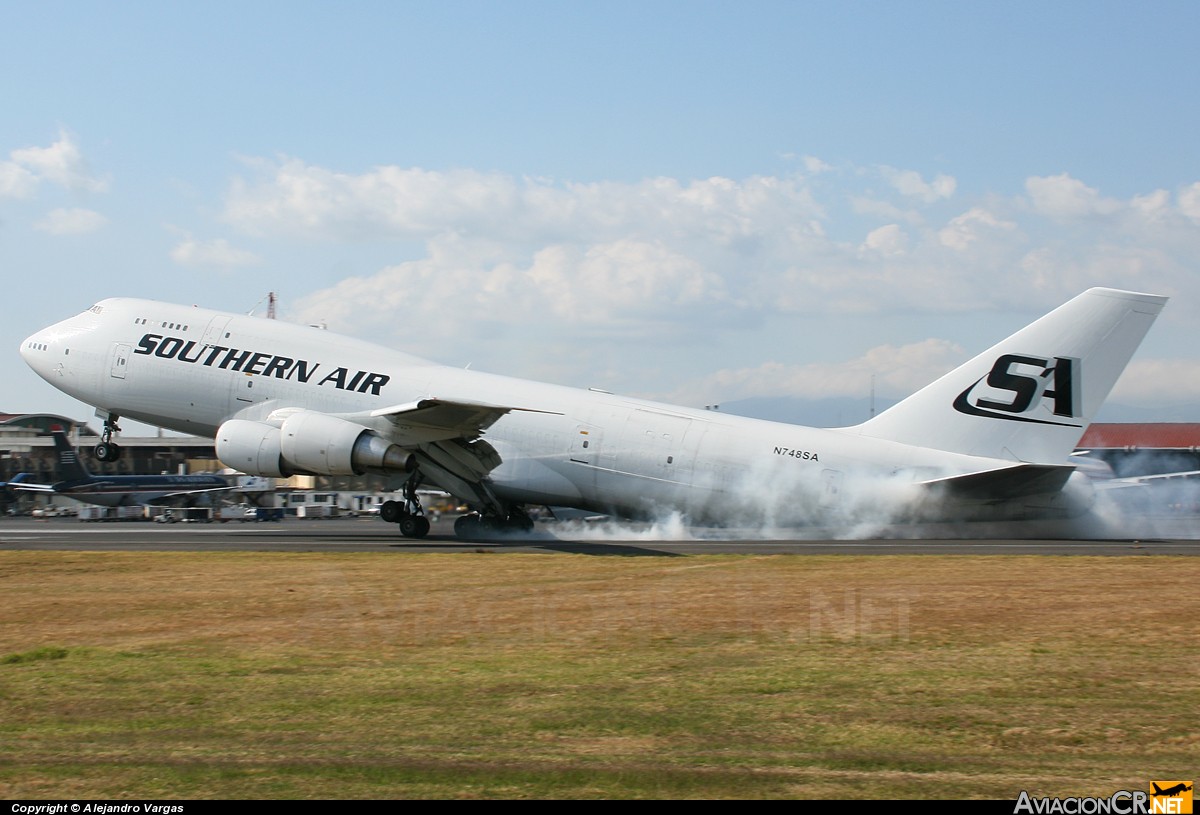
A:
(432, 419)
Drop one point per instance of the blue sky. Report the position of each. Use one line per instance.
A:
(692, 201)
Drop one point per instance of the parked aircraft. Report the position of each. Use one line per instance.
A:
(75, 481)
(990, 440)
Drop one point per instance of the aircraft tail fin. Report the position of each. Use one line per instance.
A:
(68, 465)
(1030, 397)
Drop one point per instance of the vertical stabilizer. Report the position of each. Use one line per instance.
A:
(1030, 397)
(68, 467)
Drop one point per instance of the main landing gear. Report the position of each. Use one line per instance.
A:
(107, 449)
(498, 517)
(407, 513)
(475, 526)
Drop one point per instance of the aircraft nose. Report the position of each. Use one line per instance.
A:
(28, 348)
(36, 351)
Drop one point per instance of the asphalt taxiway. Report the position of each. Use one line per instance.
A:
(617, 539)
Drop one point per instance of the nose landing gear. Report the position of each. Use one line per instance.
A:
(107, 449)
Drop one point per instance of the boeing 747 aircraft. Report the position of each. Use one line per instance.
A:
(990, 440)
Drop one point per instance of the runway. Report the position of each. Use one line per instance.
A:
(602, 539)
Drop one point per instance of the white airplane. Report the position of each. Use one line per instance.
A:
(991, 440)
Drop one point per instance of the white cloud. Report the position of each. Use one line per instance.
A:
(621, 281)
(16, 181)
(1159, 383)
(910, 184)
(895, 371)
(1066, 198)
(1152, 206)
(865, 205)
(215, 253)
(888, 240)
(71, 221)
(814, 165)
(61, 163)
(621, 290)
(970, 227)
(290, 197)
(1189, 201)
(677, 263)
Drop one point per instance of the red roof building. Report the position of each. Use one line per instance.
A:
(1152, 436)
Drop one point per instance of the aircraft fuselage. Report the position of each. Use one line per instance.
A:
(989, 440)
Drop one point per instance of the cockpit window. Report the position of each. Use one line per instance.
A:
(96, 309)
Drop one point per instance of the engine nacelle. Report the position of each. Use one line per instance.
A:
(253, 448)
(308, 442)
(327, 445)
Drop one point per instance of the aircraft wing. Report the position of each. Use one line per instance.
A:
(445, 433)
(168, 497)
(1005, 483)
(432, 419)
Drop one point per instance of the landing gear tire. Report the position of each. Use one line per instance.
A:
(106, 451)
(518, 522)
(469, 527)
(414, 526)
(391, 511)
(476, 527)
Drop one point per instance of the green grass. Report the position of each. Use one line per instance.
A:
(529, 676)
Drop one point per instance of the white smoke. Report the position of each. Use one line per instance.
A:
(670, 527)
(777, 500)
(788, 501)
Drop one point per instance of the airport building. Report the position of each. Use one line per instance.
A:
(1144, 449)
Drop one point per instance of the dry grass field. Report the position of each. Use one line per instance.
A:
(248, 675)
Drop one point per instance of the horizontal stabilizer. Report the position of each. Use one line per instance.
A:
(27, 486)
(1007, 482)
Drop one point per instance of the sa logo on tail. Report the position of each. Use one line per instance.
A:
(1029, 381)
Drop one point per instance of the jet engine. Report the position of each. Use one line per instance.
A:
(308, 442)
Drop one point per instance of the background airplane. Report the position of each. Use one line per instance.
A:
(115, 490)
(991, 440)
